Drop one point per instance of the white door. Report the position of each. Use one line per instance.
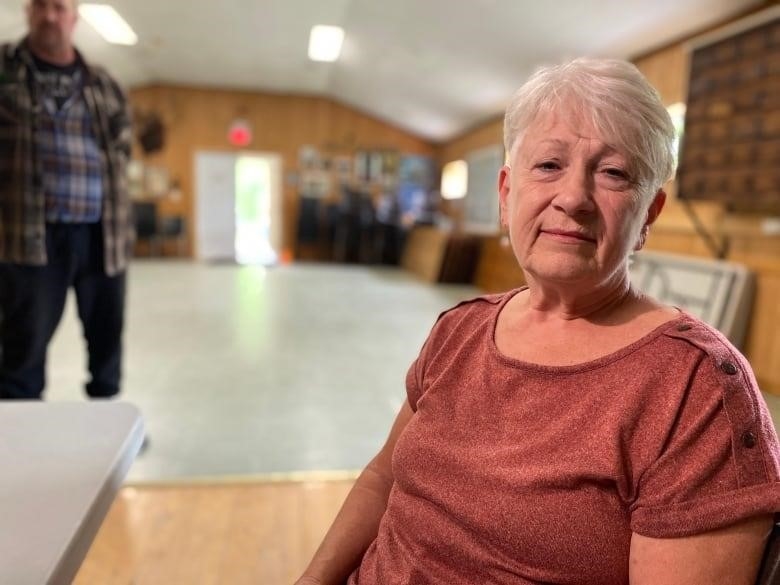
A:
(215, 204)
(275, 235)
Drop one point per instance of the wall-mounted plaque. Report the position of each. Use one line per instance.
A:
(731, 146)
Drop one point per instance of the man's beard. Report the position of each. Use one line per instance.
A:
(50, 38)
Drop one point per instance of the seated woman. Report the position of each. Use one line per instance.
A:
(574, 431)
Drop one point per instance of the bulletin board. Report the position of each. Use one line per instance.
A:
(731, 144)
(481, 213)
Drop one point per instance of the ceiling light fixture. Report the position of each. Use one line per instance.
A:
(455, 180)
(325, 42)
(108, 23)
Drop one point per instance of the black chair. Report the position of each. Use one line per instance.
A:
(769, 573)
(172, 227)
(353, 231)
(145, 221)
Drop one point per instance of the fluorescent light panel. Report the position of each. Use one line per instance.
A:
(108, 23)
(454, 179)
(325, 42)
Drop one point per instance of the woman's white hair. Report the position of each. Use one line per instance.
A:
(611, 95)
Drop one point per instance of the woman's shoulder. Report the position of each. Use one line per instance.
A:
(484, 302)
(707, 339)
(469, 314)
(717, 364)
(477, 306)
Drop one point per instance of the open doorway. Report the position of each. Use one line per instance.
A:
(238, 207)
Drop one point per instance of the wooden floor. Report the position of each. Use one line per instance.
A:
(261, 532)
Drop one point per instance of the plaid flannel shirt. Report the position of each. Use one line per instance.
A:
(22, 205)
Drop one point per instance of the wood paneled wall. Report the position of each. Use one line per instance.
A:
(487, 134)
(198, 119)
(667, 69)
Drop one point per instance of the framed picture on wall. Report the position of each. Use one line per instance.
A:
(362, 166)
(308, 158)
(135, 179)
(342, 167)
(376, 166)
(157, 181)
(315, 184)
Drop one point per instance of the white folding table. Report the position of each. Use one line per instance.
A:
(61, 465)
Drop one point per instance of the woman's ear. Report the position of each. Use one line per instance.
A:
(655, 207)
(653, 211)
(503, 195)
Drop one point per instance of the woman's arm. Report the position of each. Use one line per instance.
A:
(729, 556)
(357, 523)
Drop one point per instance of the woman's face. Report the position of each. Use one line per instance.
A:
(573, 209)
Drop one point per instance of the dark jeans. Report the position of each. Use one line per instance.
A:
(32, 299)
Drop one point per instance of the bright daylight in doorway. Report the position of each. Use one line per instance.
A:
(253, 211)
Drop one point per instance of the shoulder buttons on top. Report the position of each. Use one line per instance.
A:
(748, 439)
(729, 368)
(683, 327)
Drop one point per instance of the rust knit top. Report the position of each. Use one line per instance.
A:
(516, 473)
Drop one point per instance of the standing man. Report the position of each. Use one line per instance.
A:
(65, 141)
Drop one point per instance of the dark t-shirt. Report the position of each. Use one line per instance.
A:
(516, 473)
(58, 82)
